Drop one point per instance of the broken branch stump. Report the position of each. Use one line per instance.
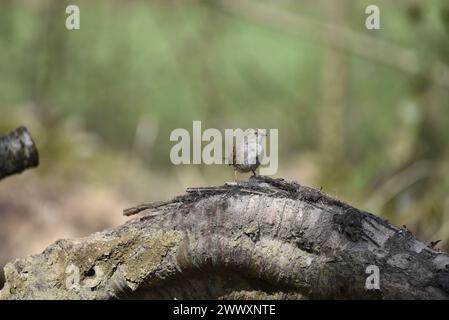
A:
(17, 152)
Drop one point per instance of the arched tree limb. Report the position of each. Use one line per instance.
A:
(261, 238)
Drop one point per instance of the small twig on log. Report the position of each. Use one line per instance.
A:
(144, 206)
(17, 152)
(280, 186)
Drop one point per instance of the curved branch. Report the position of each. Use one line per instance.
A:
(266, 236)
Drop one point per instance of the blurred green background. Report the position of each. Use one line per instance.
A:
(361, 113)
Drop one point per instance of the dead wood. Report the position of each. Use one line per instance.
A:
(265, 238)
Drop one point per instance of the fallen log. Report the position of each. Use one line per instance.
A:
(265, 238)
(17, 152)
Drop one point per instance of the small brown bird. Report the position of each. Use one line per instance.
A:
(247, 155)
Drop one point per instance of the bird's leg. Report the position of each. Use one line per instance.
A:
(235, 175)
(254, 173)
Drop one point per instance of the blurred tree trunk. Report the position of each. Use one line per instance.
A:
(6, 20)
(333, 86)
(212, 28)
(431, 97)
(53, 41)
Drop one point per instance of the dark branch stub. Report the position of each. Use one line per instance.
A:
(17, 152)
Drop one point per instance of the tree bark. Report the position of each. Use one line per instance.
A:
(265, 238)
(17, 152)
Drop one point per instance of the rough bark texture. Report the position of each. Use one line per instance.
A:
(265, 238)
(17, 152)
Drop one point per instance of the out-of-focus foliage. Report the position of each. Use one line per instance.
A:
(103, 100)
